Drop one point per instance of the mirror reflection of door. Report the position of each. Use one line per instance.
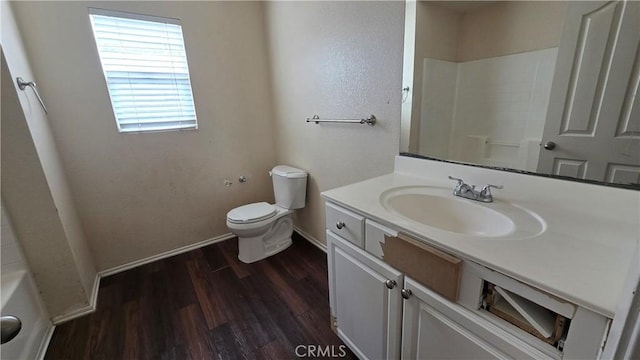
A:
(596, 81)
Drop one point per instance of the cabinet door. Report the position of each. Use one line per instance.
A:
(364, 295)
(434, 328)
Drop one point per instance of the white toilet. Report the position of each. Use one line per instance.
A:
(264, 229)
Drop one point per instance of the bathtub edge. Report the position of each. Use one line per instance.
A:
(44, 345)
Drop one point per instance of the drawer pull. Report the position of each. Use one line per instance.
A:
(390, 283)
(406, 293)
(340, 225)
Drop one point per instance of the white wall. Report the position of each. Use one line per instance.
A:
(489, 111)
(27, 195)
(503, 54)
(12, 258)
(142, 194)
(139, 195)
(35, 188)
(461, 32)
(438, 104)
(336, 60)
(437, 31)
(510, 27)
(505, 100)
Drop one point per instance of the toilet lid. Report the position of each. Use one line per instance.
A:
(251, 213)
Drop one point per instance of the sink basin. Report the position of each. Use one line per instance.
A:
(436, 207)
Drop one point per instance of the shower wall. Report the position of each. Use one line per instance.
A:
(489, 111)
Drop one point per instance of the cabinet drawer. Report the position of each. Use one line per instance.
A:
(347, 224)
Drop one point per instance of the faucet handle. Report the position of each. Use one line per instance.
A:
(460, 181)
(486, 190)
(461, 187)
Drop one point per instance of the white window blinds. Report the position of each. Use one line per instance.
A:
(145, 66)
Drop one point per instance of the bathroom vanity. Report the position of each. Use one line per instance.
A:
(417, 273)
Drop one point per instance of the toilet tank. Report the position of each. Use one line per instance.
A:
(289, 186)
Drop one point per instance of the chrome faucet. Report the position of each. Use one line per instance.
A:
(469, 191)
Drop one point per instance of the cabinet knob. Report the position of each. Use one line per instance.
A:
(340, 225)
(406, 293)
(390, 283)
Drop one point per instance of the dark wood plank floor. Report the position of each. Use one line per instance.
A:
(206, 304)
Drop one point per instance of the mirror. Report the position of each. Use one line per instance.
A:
(547, 87)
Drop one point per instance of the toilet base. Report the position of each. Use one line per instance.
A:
(277, 239)
(247, 256)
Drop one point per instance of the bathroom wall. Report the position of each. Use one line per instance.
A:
(510, 27)
(484, 85)
(59, 260)
(488, 111)
(437, 30)
(437, 106)
(336, 60)
(35, 188)
(139, 195)
(12, 258)
(501, 107)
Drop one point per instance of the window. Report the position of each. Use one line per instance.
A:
(145, 66)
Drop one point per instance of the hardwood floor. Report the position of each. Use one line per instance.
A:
(206, 304)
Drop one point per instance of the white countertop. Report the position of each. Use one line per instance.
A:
(582, 256)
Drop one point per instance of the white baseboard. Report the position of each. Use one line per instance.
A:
(44, 345)
(311, 239)
(93, 301)
(57, 320)
(180, 250)
(76, 313)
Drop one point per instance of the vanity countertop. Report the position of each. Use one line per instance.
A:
(580, 256)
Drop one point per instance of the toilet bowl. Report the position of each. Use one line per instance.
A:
(264, 229)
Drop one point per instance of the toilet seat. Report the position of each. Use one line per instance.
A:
(251, 213)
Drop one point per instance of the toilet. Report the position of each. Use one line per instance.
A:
(264, 229)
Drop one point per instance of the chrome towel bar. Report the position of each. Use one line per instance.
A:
(371, 120)
(23, 84)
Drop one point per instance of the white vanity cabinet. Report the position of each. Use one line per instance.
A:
(347, 224)
(365, 300)
(435, 328)
(381, 312)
